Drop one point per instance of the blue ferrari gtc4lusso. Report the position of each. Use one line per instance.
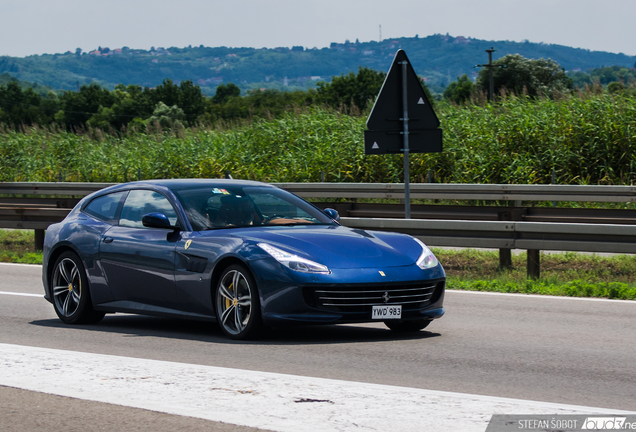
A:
(242, 253)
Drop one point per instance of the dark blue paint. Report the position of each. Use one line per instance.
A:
(144, 270)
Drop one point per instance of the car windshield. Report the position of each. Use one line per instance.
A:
(237, 206)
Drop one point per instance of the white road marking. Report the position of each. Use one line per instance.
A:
(21, 264)
(22, 294)
(539, 296)
(279, 402)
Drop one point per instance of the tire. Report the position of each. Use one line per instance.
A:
(407, 326)
(71, 294)
(237, 303)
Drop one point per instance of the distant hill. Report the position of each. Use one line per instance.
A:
(439, 58)
(6, 78)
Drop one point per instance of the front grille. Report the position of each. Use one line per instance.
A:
(360, 298)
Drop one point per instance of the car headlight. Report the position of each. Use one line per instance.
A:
(294, 262)
(427, 259)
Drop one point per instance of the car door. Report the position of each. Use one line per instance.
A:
(139, 262)
(103, 211)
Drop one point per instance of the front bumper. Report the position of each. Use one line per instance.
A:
(347, 295)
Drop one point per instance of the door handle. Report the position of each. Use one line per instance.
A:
(108, 239)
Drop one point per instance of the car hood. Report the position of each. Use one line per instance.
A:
(338, 246)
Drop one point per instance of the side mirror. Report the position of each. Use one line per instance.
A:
(333, 214)
(157, 220)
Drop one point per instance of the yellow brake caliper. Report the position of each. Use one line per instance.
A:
(227, 300)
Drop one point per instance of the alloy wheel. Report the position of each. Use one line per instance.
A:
(234, 300)
(67, 287)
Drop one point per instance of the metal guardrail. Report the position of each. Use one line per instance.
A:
(510, 233)
(484, 213)
(449, 191)
(38, 213)
(445, 191)
(53, 188)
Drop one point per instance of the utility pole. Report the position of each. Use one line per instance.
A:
(505, 254)
(380, 33)
(491, 88)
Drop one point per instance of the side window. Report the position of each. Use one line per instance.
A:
(105, 207)
(141, 202)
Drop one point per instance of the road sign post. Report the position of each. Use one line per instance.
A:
(402, 100)
(405, 122)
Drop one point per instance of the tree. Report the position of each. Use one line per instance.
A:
(167, 92)
(166, 116)
(225, 92)
(256, 103)
(459, 91)
(521, 75)
(20, 107)
(103, 118)
(351, 90)
(129, 103)
(615, 87)
(80, 106)
(191, 100)
(186, 96)
(609, 74)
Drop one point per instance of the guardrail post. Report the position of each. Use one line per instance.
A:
(505, 254)
(39, 239)
(534, 263)
(505, 259)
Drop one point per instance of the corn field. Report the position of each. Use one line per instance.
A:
(585, 138)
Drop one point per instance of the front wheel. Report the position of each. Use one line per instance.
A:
(71, 296)
(407, 326)
(237, 303)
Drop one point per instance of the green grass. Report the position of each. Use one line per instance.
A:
(562, 274)
(17, 246)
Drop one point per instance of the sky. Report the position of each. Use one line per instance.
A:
(30, 27)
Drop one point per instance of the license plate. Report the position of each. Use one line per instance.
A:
(386, 312)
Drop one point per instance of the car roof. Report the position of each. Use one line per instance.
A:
(184, 184)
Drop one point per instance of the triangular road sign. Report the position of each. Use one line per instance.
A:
(387, 110)
(386, 142)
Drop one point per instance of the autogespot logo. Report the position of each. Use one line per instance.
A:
(604, 423)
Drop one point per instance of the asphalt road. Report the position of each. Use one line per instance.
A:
(569, 351)
(22, 410)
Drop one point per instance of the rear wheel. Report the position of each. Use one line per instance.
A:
(71, 296)
(237, 303)
(407, 326)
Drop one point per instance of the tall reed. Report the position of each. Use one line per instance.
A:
(586, 138)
